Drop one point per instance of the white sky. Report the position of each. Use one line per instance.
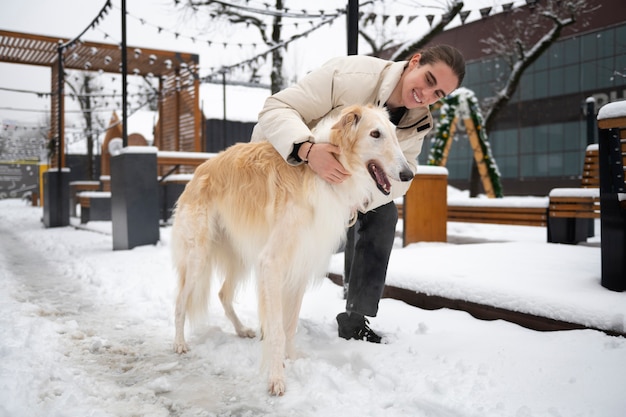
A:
(67, 18)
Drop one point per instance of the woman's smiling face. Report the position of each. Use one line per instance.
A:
(423, 85)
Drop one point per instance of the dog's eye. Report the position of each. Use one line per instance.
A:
(375, 133)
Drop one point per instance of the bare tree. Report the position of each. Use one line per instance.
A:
(523, 38)
(405, 51)
(243, 15)
(84, 89)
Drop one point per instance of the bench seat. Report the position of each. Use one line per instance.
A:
(94, 205)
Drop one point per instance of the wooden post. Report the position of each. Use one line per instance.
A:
(446, 149)
(425, 213)
(479, 157)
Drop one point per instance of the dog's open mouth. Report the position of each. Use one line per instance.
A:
(378, 174)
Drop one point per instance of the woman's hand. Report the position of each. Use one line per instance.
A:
(321, 159)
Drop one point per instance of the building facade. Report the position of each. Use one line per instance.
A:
(539, 139)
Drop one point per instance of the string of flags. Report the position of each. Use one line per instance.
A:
(316, 19)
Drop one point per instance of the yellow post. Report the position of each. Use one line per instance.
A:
(425, 212)
(479, 156)
(446, 150)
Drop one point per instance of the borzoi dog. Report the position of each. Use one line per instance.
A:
(248, 209)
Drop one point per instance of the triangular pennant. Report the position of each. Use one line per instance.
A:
(430, 18)
(484, 12)
(464, 14)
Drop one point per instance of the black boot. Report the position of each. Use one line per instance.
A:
(355, 326)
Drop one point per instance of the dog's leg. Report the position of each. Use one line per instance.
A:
(231, 280)
(270, 291)
(275, 262)
(193, 290)
(179, 318)
(292, 303)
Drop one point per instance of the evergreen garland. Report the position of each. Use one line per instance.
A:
(449, 110)
(447, 113)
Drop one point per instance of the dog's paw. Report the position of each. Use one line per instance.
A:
(276, 386)
(246, 332)
(181, 347)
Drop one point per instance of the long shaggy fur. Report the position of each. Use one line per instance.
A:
(247, 209)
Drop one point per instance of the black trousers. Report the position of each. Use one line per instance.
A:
(368, 246)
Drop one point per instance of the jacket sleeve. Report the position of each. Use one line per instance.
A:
(287, 116)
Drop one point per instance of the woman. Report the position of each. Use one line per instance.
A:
(407, 89)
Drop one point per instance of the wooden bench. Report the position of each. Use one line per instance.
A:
(518, 212)
(78, 187)
(173, 184)
(612, 155)
(94, 205)
(571, 209)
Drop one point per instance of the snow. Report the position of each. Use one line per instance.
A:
(575, 192)
(139, 150)
(431, 170)
(88, 331)
(612, 110)
(185, 155)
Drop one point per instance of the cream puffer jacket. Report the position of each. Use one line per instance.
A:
(289, 115)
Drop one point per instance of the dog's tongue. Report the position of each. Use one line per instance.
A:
(381, 178)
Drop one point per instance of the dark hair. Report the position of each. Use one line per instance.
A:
(447, 54)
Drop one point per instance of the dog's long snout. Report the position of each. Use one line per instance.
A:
(406, 175)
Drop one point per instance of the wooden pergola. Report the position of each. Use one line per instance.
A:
(179, 126)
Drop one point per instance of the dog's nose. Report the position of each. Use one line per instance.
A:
(406, 175)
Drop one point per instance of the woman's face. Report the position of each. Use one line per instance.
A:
(423, 85)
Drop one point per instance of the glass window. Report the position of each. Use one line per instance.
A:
(526, 140)
(620, 63)
(555, 138)
(555, 164)
(541, 63)
(571, 49)
(556, 56)
(472, 75)
(606, 43)
(541, 166)
(588, 76)
(527, 166)
(620, 35)
(573, 163)
(540, 89)
(588, 46)
(606, 78)
(526, 86)
(507, 166)
(487, 71)
(557, 82)
(540, 139)
(572, 79)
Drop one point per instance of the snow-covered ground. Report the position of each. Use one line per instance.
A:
(88, 331)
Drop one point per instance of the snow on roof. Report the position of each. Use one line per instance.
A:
(243, 104)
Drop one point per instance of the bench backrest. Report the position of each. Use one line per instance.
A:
(591, 168)
(591, 165)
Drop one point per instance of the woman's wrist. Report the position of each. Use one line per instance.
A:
(305, 151)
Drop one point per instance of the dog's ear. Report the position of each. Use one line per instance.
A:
(350, 118)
